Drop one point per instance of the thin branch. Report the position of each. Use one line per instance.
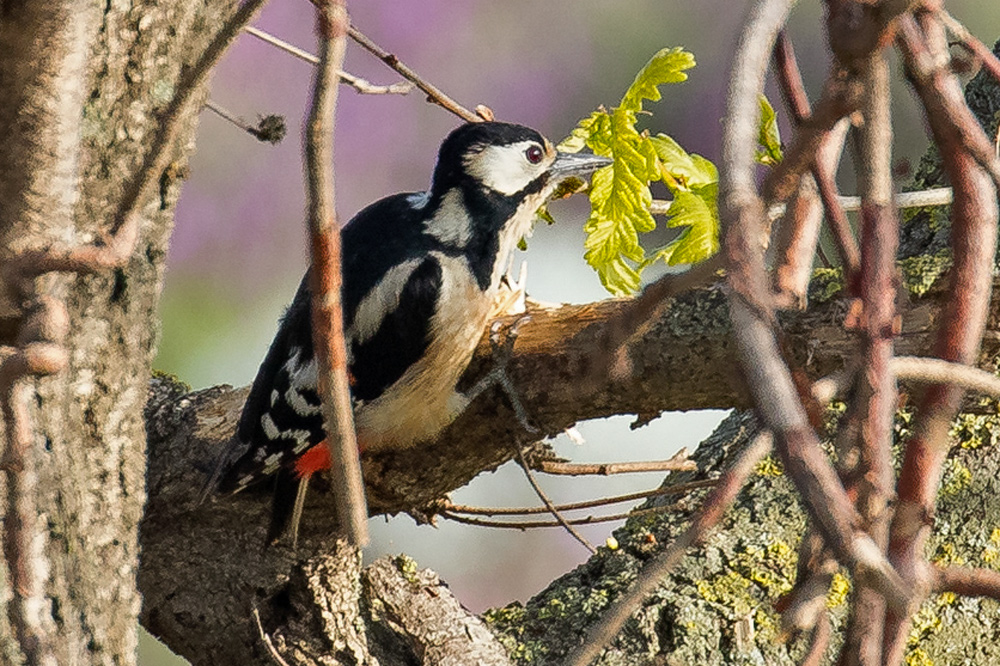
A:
(677, 489)
(434, 94)
(973, 238)
(712, 509)
(840, 98)
(969, 41)
(326, 279)
(827, 155)
(966, 581)
(939, 371)
(535, 524)
(607, 469)
(936, 196)
(867, 471)
(272, 651)
(819, 642)
(550, 506)
(270, 129)
(362, 86)
(928, 71)
(645, 309)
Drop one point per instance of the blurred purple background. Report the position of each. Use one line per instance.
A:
(238, 250)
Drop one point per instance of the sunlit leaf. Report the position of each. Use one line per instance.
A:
(667, 66)
(698, 211)
(619, 194)
(768, 139)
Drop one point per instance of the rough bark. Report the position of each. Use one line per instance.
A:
(87, 421)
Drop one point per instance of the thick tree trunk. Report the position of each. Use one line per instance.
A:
(83, 84)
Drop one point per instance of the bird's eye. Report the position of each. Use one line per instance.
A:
(534, 154)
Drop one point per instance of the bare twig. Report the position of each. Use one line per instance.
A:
(535, 524)
(973, 238)
(828, 152)
(840, 98)
(270, 129)
(966, 581)
(796, 244)
(434, 94)
(645, 309)
(575, 506)
(938, 371)
(709, 514)
(969, 41)
(325, 277)
(928, 69)
(606, 469)
(819, 641)
(938, 196)
(549, 505)
(362, 86)
(272, 651)
(868, 473)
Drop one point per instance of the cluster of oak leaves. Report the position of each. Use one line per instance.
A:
(620, 197)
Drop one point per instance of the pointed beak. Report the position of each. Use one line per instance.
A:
(569, 165)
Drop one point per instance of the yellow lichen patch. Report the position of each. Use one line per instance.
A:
(974, 430)
(946, 554)
(957, 477)
(840, 588)
(757, 576)
(918, 657)
(769, 466)
(992, 550)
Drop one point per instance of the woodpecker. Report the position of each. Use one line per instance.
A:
(421, 273)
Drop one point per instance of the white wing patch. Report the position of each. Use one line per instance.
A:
(298, 402)
(378, 302)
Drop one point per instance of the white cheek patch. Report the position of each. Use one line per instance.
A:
(505, 168)
(451, 224)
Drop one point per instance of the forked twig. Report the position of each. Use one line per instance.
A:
(534, 524)
(362, 86)
(575, 506)
(549, 505)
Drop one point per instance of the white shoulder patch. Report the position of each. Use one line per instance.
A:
(450, 224)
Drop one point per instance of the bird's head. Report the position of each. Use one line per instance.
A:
(507, 160)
